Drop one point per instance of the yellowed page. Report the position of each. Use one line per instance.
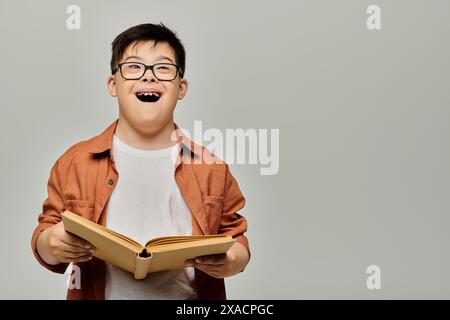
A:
(178, 239)
(173, 256)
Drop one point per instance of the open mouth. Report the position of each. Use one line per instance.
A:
(148, 96)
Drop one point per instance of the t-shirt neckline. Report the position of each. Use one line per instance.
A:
(122, 146)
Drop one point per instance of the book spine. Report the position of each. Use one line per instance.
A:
(142, 267)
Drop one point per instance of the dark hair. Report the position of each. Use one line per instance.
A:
(147, 31)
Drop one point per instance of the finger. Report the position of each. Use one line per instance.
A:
(83, 259)
(75, 241)
(214, 260)
(73, 255)
(75, 249)
(79, 259)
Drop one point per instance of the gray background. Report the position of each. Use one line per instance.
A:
(363, 118)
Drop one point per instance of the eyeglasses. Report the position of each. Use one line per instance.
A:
(136, 70)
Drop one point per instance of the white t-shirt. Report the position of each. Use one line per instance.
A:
(147, 203)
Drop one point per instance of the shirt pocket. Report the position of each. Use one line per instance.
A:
(84, 208)
(213, 209)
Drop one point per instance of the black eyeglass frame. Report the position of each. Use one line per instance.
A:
(146, 67)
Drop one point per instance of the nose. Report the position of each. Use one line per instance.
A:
(148, 76)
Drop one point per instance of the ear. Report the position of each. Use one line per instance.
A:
(182, 89)
(111, 83)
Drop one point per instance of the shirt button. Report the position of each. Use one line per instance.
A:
(110, 181)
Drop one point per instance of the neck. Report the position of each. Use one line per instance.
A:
(148, 140)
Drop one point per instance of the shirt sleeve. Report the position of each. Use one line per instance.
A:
(51, 214)
(232, 223)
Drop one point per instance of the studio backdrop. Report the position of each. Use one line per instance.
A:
(342, 109)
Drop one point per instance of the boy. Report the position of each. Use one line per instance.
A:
(142, 178)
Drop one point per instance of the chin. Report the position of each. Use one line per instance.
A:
(148, 120)
(147, 117)
(149, 123)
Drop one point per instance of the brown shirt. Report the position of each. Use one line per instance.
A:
(83, 179)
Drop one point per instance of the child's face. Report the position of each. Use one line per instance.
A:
(134, 101)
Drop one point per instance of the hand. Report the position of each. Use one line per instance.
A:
(222, 265)
(55, 246)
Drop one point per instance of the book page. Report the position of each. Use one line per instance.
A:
(178, 239)
(173, 256)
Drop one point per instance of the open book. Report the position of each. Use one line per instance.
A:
(162, 253)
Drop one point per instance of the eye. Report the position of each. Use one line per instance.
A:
(134, 66)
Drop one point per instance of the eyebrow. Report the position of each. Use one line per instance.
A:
(161, 57)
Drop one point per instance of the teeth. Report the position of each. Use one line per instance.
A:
(148, 94)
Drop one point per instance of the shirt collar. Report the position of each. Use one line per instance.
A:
(103, 142)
